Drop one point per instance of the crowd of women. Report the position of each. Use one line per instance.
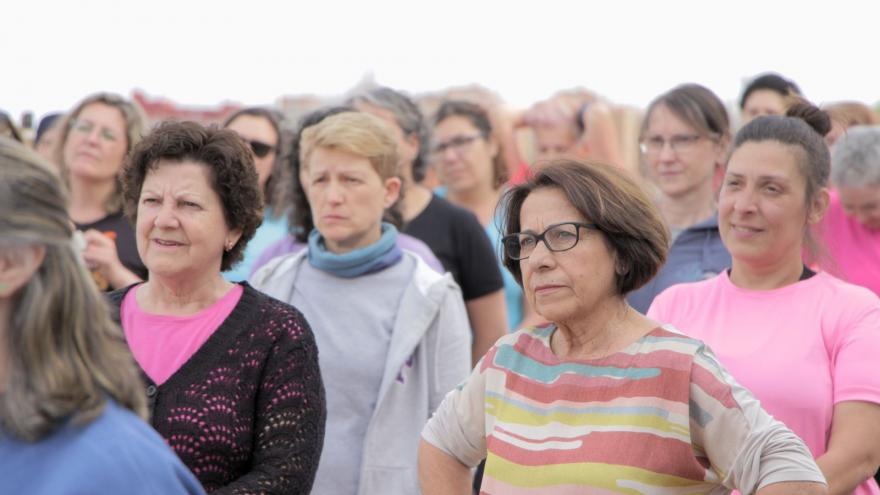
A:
(381, 302)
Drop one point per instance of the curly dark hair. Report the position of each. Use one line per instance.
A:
(233, 174)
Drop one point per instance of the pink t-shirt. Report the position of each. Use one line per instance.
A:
(800, 349)
(854, 249)
(162, 344)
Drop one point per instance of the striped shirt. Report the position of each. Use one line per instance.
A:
(660, 416)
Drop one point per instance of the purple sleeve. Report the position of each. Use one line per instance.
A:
(421, 250)
(285, 245)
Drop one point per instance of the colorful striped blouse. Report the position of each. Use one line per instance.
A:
(659, 416)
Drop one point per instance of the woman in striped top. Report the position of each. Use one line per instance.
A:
(603, 400)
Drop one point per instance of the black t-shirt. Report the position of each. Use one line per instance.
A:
(126, 246)
(462, 246)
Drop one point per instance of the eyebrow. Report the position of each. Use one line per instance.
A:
(761, 177)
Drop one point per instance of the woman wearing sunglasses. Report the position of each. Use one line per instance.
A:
(261, 130)
(603, 400)
(684, 139)
(97, 135)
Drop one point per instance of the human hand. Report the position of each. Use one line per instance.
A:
(102, 259)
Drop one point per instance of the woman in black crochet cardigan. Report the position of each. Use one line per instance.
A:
(232, 374)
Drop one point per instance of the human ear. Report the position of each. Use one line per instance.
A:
(819, 206)
(392, 191)
(17, 266)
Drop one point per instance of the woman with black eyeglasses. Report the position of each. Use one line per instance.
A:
(95, 139)
(684, 139)
(261, 130)
(603, 400)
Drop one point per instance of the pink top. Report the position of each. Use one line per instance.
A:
(800, 349)
(854, 249)
(161, 344)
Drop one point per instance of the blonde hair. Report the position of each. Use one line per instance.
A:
(135, 129)
(65, 354)
(357, 133)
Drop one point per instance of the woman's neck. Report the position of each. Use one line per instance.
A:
(415, 199)
(689, 209)
(767, 275)
(183, 295)
(605, 330)
(481, 201)
(87, 199)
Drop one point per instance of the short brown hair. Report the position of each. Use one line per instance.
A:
(479, 118)
(233, 174)
(357, 133)
(611, 200)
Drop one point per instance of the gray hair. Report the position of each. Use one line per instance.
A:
(408, 117)
(855, 160)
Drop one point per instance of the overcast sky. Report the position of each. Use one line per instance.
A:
(253, 51)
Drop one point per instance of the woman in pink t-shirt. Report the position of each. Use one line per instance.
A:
(851, 228)
(804, 343)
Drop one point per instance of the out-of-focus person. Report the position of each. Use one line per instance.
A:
(232, 374)
(766, 94)
(804, 343)
(684, 139)
(451, 232)
(261, 130)
(8, 128)
(393, 333)
(850, 230)
(472, 168)
(71, 402)
(846, 114)
(95, 138)
(603, 400)
(46, 136)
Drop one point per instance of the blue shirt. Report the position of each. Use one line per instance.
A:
(115, 453)
(271, 230)
(696, 254)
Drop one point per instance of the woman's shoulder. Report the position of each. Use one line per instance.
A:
(266, 311)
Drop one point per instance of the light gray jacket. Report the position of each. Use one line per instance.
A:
(430, 350)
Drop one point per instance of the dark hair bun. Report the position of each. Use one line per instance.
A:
(815, 117)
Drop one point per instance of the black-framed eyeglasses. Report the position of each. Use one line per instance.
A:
(457, 144)
(557, 237)
(260, 148)
(679, 143)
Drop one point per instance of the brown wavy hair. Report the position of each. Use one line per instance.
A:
(65, 354)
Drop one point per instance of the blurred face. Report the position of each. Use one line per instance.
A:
(863, 204)
(347, 197)
(555, 141)
(566, 285)
(96, 143)
(181, 227)
(680, 159)
(463, 157)
(407, 145)
(763, 102)
(46, 146)
(762, 213)
(261, 137)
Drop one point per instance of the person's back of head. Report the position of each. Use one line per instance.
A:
(64, 355)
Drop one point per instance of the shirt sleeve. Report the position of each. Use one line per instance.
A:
(479, 270)
(452, 354)
(458, 426)
(854, 356)
(745, 447)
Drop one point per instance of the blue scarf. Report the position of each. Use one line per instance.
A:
(373, 258)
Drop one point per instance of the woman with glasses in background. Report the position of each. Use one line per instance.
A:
(472, 168)
(684, 139)
(95, 139)
(261, 130)
(604, 400)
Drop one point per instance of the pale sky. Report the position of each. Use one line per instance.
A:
(253, 51)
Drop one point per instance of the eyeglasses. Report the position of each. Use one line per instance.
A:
(457, 144)
(680, 143)
(260, 148)
(558, 237)
(86, 127)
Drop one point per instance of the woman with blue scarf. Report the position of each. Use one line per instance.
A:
(393, 334)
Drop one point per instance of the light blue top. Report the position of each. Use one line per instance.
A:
(271, 230)
(513, 293)
(115, 453)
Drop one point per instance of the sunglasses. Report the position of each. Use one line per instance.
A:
(260, 148)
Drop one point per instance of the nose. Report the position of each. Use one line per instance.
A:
(541, 257)
(744, 201)
(165, 217)
(666, 153)
(335, 193)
